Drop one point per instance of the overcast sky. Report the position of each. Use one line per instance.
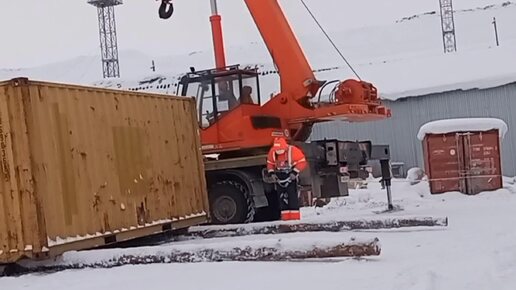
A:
(36, 32)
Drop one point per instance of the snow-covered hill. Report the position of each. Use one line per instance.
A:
(403, 58)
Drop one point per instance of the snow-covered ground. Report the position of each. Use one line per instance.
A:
(477, 251)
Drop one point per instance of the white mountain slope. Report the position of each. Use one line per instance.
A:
(402, 59)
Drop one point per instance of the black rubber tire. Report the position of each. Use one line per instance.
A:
(237, 196)
(271, 212)
(10, 270)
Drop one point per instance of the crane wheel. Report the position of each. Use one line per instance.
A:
(230, 203)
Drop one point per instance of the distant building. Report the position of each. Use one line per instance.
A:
(409, 113)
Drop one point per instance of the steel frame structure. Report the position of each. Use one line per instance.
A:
(108, 36)
(448, 26)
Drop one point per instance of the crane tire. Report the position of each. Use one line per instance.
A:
(230, 203)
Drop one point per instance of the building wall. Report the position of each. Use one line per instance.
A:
(409, 114)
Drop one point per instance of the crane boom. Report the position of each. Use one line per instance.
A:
(296, 75)
(244, 124)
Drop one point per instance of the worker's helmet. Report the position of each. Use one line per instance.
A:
(280, 145)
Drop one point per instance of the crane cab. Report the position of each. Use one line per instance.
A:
(219, 91)
(230, 111)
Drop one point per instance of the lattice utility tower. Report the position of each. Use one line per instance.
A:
(108, 39)
(448, 26)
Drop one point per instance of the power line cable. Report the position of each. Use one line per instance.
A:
(331, 41)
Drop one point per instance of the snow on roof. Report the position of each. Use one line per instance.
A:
(474, 69)
(462, 125)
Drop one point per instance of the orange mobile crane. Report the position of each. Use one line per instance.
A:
(240, 128)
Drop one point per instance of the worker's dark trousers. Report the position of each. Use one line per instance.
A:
(288, 196)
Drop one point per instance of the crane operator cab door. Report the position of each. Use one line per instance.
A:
(219, 92)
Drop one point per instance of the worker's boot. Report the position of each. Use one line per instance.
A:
(295, 215)
(285, 215)
(290, 215)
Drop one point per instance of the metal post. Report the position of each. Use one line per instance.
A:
(218, 39)
(389, 194)
(496, 31)
(386, 177)
(214, 8)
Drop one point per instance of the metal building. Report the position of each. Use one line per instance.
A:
(408, 114)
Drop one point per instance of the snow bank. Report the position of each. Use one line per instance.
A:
(462, 125)
(415, 175)
(477, 241)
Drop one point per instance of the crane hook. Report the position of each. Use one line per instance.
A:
(166, 9)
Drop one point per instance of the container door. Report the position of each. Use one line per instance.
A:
(482, 161)
(445, 163)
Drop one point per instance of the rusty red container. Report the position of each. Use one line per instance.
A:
(464, 157)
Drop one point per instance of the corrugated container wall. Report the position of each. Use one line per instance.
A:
(409, 114)
(83, 167)
(468, 162)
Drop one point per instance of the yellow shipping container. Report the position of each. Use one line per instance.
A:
(82, 167)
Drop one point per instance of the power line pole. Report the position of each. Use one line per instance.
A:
(108, 38)
(448, 26)
(496, 31)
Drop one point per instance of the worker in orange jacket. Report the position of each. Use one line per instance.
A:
(284, 163)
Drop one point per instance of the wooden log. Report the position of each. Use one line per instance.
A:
(273, 251)
(335, 226)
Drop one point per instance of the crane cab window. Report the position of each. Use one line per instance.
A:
(226, 91)
(235, 90)
(220, 91)
(202, 91)
(249, 92)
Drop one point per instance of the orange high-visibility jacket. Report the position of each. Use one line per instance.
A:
(283, 156)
